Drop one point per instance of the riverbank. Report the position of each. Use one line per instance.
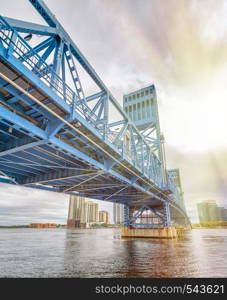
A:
(210, 227)
(59, 227)
(14, 226)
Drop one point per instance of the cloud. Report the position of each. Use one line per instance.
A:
(20, 205)
(203, 176)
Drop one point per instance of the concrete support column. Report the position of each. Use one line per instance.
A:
(162, 233)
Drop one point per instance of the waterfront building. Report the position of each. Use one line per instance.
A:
(43, 225)
(118, 213)
(78, 207)
(81, 213)
(76, 204)
(104, 216)
(93, 212)
(225, 214)
(84, 215)
(219, 213)
(209, 211)
(206, 211)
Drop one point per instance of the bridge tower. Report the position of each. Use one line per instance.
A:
(142, 108)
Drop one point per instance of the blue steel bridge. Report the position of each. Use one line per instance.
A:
(62, 130)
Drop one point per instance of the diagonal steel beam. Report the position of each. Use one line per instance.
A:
(154, 212)
(8, 177)
(86, 180)
(107, 198)
(28, 27)
(100, 188)
(23, 147)
(43, 180)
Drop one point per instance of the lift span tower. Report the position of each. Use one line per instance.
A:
(62, 130)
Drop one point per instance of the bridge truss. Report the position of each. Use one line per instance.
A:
(62, 130)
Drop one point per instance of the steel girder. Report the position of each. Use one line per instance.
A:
(145, 216)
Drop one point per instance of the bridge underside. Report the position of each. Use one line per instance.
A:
(56, 158)
(38, 158)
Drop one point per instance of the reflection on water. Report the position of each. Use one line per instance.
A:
(103, 253)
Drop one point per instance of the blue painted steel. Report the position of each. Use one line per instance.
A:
(28, 27)
(56, 137)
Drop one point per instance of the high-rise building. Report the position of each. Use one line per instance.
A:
(84, 214)
(75, 210)
(208, 211)
(93, 212)
(104, 216)
(224, 214)
(81, 213)
(118, 213)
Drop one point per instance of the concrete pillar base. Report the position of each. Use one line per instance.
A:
(163, 233)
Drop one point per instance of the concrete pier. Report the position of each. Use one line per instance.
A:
(164, 232)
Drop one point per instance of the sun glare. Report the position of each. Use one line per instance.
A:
(197, 126)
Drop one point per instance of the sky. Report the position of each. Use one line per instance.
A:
(181, 47)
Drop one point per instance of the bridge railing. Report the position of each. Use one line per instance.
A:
(13, 42)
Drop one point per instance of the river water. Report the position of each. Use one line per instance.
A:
(103, 253)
